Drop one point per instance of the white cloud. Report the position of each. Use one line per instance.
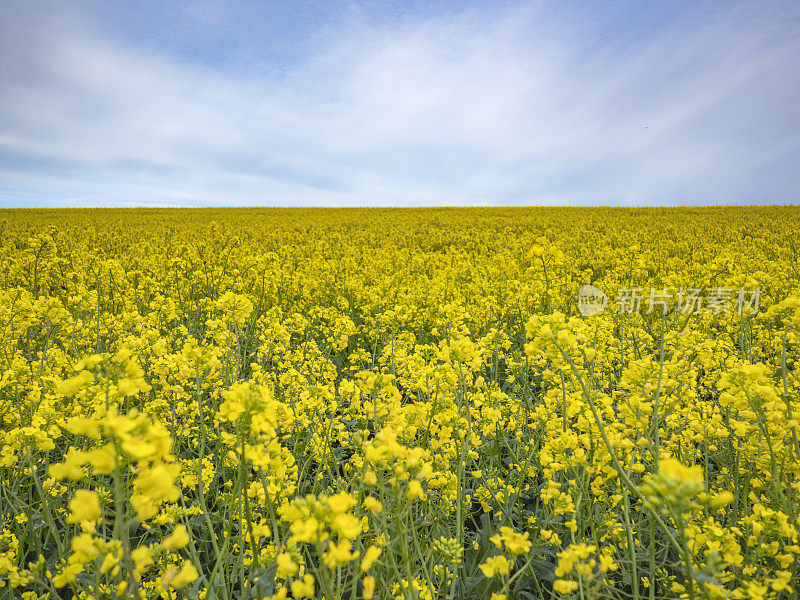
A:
(518, 106)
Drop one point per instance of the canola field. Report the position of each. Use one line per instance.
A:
(399, 403)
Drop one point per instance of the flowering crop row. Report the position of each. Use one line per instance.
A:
(405, 403)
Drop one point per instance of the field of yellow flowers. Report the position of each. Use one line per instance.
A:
(397, 403)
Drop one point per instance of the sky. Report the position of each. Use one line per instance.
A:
(389, 103)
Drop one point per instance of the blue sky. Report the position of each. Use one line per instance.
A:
(399, 103)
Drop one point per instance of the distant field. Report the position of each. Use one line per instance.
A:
(400, 403)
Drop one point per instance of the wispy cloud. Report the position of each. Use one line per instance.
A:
(512, 105)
